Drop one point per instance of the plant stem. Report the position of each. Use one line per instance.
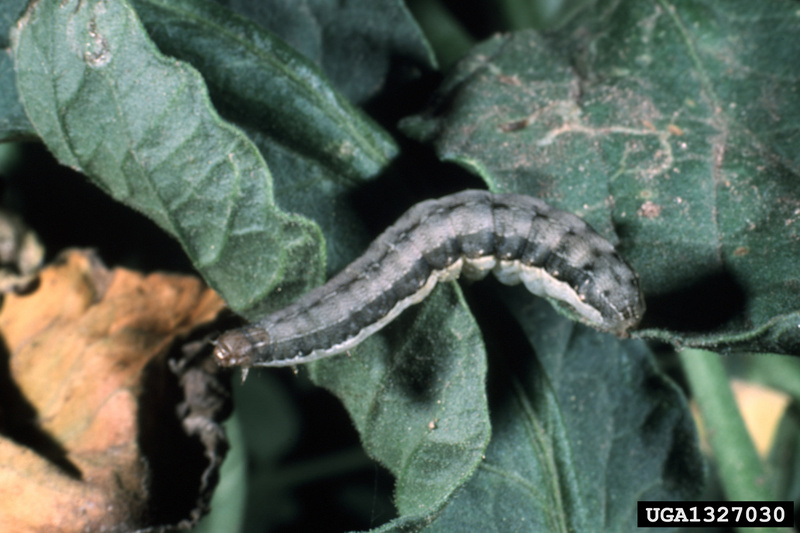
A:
(741, 471)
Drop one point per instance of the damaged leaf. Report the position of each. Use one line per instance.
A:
(97, 432)
(672, 129)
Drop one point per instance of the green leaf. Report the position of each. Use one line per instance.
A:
(319, 146)
(784, 457)
(673, 129)
(359, 43)
(107, 103)
(416, 395)
(539, 14)
(583, 427)
(13, 122)
(447, 37)
(10, 11)
(258, 81)
(270, 426)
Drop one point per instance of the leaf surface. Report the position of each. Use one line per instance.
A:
(318, 145)
(583, 427)
(359, 44)
(259, 82)
(416, 395)
(672, 128)
(107, 103)
(13, 122)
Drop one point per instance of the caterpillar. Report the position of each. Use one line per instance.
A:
(553, 253)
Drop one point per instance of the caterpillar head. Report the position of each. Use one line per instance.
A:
(239, 347)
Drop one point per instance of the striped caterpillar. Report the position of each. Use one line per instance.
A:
(521, 239)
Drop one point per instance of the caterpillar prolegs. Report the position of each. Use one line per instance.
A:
(553, 253)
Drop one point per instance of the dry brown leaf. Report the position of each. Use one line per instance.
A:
(88, 402)
(762, 409)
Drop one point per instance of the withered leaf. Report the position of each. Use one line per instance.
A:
(89, 404)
